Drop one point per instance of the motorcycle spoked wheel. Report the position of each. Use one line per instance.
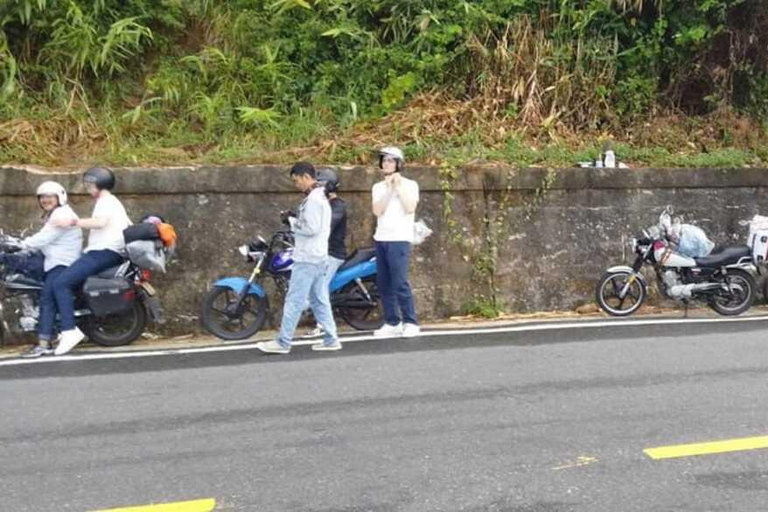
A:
(119, 329)
(221, 317)
(745, 290)
(609, 288)
(364, 319)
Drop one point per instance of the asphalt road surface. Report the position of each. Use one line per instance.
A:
(547, 421)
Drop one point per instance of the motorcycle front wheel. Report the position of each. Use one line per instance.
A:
(224, 319)
(609, 289)
(119, 329)
(744, 290)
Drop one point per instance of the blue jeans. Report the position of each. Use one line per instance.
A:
(333, 267)
(392, 259)
(308, 281)
(70, 281)
(45, 325)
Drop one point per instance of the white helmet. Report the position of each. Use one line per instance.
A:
(51, 188)
(392, 151)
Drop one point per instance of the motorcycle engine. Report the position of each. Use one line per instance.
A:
(674, 287)
(22, 312)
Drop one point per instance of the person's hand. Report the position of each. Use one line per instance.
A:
(393, 180)
(286, 215)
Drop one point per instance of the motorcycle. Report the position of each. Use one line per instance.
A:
(111, 308)
(236, 308)
(723, 279)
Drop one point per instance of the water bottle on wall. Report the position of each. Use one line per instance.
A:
(610, 158)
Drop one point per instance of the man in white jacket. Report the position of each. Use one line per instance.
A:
(61, 246)
(311, 228)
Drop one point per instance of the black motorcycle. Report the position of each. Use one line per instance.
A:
(112, 308)
(236, 307)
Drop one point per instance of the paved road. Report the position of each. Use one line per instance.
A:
(536, 422)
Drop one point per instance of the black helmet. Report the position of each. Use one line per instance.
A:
(329, 179)
(103, 178)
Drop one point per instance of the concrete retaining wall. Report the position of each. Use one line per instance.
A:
(551, 253)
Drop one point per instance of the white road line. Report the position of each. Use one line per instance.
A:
(554, 326)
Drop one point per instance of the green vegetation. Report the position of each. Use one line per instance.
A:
(531, 82)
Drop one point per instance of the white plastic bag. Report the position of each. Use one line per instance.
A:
(420, 232)
(694, 242)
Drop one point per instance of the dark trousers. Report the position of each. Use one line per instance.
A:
(69, 282)
(392, 260)
(48, 309)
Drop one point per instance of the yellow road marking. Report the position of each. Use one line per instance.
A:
(206, 505)
(580, 461)
(689, 450)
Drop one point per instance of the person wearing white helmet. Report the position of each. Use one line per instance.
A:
(394, 205)
(61, 246)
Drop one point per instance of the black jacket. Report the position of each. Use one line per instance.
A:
(336, 245)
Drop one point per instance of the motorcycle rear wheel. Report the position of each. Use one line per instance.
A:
(742, 300)
(117, 330)
(364, 319)
(607, 294)
(219, 317)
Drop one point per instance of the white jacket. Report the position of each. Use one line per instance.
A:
(60, 246)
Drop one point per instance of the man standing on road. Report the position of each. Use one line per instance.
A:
(311, 228)
(394, 205)
(337, 249)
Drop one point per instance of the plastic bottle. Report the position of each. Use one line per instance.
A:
(610, 159)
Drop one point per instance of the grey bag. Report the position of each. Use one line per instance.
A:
(147, 254)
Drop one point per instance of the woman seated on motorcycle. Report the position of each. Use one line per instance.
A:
(61, 246)
(105, 249)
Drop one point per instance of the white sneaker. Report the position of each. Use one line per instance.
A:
(314, 333)
(411, 330)
(389, 331)
(69, 340)
(272, 347)
(320, 347)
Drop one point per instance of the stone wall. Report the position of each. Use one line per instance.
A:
(550, 257)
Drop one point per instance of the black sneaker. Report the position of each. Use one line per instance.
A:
(37, 351)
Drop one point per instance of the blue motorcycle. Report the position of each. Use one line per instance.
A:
(236, 307)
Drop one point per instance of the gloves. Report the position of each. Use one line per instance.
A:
(285, 216)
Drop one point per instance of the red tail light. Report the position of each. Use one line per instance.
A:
(145, 275)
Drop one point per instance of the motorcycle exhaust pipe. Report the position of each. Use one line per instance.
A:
(688, 290)
(353, 304)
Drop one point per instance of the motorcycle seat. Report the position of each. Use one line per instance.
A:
(726, 255)
(112, 272)
(357, 257)
(21, 279)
